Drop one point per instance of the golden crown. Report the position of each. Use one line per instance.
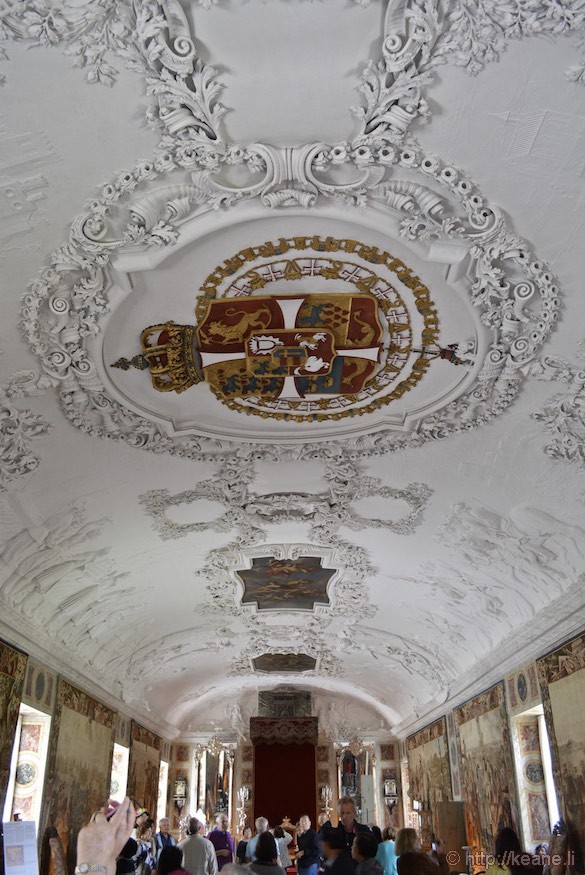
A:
(170, 354)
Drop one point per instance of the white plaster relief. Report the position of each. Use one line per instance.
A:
(533, 552)
(22, 184)
(249, 512)
(327, 663)
(561, 621)
(40, 557)
(150, 36)
(248, 515)
(516, 294)
(19, 429)
(54, 579)
(468, 34)
(309, 633)
(563, 414)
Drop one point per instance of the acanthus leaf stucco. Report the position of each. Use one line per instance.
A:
(20, 429)
(563, 415)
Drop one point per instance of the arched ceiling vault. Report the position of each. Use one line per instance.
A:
(291, 393)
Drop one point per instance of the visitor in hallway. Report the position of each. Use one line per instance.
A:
(439, 857)
(337, 859)
(222, 840)
(407, 841)
(146, 856)
(242, 849)
(126, 862)
(198, 852)
(163, 838)
(142, 817)
(348, 827)
(309, 851)
(363, 851)
(283, 840)
(511, 857)
(411, 860)
(266, 856)
(261, 825)
(386, 853)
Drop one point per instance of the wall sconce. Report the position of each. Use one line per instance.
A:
(180, 794)
(326, 796)
(243, 795)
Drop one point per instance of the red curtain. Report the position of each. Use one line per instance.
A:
(285, 781)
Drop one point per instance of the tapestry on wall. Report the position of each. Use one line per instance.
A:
(487, 775)
(428, 761)
(12, 671)
(143, 769)
(80, 763)
(562, 680)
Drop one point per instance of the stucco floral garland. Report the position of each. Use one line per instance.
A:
(563, 415)
(468, 33)
(18, 430)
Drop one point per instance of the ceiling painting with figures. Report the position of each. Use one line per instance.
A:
(293, 584)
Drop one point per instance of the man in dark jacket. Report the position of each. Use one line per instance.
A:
(348, 826)
(308, 845)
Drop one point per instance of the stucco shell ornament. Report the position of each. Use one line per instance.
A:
(422, 237)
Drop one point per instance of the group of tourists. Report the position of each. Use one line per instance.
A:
(348, 848)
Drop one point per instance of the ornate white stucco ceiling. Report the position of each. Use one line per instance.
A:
(451, 513)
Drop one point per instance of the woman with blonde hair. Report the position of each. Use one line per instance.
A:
(411, 860)
(407, 840)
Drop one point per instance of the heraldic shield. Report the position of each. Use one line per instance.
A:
(279, 346)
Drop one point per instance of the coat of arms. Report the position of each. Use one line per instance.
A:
(300, 355)
(269, 347)
(289, 347)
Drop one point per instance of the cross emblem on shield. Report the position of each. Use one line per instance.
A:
(290, 347)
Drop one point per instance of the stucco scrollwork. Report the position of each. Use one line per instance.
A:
(250, 512)
(308, 633)
(291, 641)
(151, 37)
(19, 429)
(563, 415)
(420, 35)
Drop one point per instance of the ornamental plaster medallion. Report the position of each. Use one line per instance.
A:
(415, 197)
(354, 345)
